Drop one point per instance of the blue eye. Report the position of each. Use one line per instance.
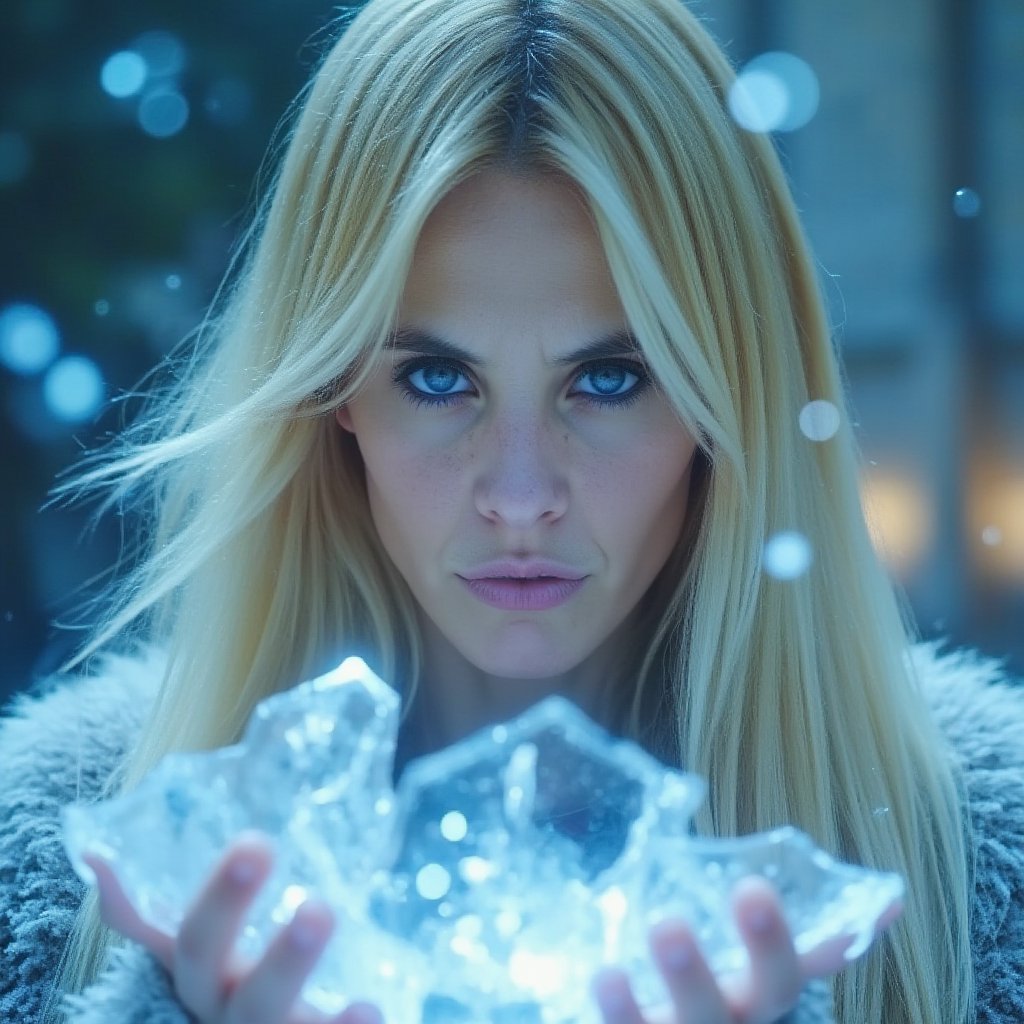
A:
(436, 379)
(432, 381)
(611, 383)
(429, 380)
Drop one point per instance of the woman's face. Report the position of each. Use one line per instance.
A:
(525, 475)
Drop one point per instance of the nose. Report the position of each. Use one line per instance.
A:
(522, 482)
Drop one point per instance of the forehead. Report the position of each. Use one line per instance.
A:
(511, 246)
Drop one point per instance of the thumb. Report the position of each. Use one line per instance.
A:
(117, 911)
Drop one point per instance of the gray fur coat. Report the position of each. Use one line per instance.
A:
(58, 744)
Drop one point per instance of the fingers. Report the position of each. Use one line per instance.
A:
(359, 1013)
(615, 998)
(208, 932)
(768, 990)
(775, 976)
(270, 990)
(200, 960)
(119, 914)
(693, 989)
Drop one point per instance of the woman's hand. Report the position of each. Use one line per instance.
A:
(207, 979)
(767, 992)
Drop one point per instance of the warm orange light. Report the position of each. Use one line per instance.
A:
(899, 516)
(995, 519)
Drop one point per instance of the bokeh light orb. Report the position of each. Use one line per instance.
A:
(991, 536)
(163, 113)
(73, 389)
(433, 881)
(776, 91)
(757, 101)
(787, 555)
(966, 203)
(454, 826)
(29, 339)
(819, 420)
(123, 74)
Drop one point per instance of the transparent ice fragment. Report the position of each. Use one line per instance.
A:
(503, 873)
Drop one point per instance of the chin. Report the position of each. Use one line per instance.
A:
(526, 673)
(523, 658)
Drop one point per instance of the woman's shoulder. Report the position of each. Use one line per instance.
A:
(64, 734)
(59, 742)
(976, 702)
(980, 709)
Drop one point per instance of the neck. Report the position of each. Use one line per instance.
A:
(455, 698)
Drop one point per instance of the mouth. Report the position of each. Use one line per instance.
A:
(524, 593)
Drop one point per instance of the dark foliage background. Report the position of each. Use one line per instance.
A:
(121, 237)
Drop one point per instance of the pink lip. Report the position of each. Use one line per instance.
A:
(529, 585)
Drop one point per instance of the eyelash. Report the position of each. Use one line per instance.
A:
(402, 373)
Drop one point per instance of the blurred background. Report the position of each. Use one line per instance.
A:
(131, 136)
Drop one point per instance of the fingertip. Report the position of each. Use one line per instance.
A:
(254, 845)
(610, 989)
(754, 887)
(603, 977)
(360, 1013)
(248, 860)
(673, 946)
(666, 929)
(244, 869)
(253, 838)
(92, 869)
(757, 907)
(108, 889)
(318, 911)
(311, 926)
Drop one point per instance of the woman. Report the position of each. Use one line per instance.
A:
(506, 399)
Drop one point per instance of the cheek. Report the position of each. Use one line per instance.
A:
(411, 491)
(641, 500)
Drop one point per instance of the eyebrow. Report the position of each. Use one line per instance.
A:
(413, 339)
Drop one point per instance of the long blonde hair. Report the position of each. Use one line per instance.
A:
(795, 699)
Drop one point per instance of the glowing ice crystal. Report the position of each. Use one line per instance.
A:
(493, 884)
